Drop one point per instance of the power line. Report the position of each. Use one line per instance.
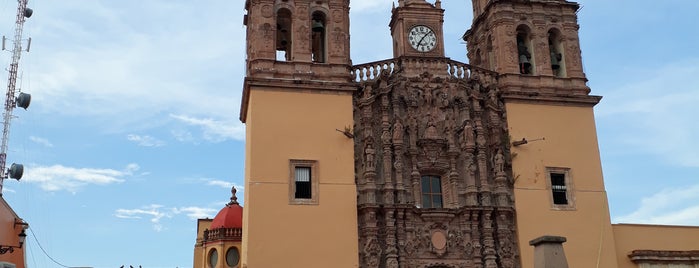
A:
(42, 249)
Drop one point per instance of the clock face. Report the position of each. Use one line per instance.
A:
(422, 38)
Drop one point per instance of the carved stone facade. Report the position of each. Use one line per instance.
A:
(433, 124)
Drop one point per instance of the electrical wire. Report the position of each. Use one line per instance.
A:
(42, 249)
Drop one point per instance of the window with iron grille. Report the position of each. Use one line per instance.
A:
(561, 185)
(431, 192)
(559, 189)
(303, 182)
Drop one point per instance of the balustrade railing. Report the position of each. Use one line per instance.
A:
(437, 66)
(223, 233)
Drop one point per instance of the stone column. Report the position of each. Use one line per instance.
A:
(548, 252)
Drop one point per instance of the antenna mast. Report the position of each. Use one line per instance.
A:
(16, 170)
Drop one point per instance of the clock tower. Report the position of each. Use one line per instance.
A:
(416, 27)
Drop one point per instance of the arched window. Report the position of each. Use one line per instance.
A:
(318, 33)
(431, 192)
(283, 35)
(213, 258)
(524, 49)
(556, 50)
(232, 257)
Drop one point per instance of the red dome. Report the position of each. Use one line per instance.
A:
(230, 216)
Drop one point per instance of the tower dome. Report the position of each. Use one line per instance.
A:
(231, 216)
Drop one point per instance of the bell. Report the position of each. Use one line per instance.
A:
(28, 12)
(317, 26)
(555, 60)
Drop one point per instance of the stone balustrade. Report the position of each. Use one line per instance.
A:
(438, 66)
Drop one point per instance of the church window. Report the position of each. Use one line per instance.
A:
(524, 50)
(213, 258)
(556, 50)
(431, 192)
(303, 183)
(232, 257)
(318, 33)
(561, 188)
(283, 43)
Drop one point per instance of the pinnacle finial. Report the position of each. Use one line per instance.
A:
(234, 199)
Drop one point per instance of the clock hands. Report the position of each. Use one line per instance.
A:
(423, 37)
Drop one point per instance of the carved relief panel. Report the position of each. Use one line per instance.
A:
(433, 173)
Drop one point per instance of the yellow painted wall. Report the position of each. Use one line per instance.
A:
(630, 237)
(199, 259)
(570, 142)
(284, 125)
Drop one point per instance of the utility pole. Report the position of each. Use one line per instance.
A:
(22, 100)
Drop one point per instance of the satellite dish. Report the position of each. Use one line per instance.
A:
(28, 12)
(23, 100)
(16, 171)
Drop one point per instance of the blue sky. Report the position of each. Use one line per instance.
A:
(133, 134)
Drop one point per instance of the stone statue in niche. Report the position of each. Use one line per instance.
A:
(398, 131)
(499, 161)
(469, 138)
(369, 158)
(368, 88)
(431, 130)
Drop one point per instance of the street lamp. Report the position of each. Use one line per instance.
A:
(22, 236)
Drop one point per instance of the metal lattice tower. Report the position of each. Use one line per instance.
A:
(10, 101)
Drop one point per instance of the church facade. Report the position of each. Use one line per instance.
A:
(423, 161)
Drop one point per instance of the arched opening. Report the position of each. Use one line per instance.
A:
(318, 33)
(556, 50)
(524, 49)
(213, 258)
(283, 42)
(232, 257)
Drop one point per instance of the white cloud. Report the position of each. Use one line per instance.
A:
(127, 66)
(145, 141)
(154, 212)
(676, 206)
(655, 114)
(197, 212)
(41, 141)
(61, 178)
(213, 130)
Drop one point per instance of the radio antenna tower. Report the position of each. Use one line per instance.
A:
(22, 100)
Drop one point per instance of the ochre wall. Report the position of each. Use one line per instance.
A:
(570, 142)
(199, 258)
(284, 125)
(9, 235)
(630, 237)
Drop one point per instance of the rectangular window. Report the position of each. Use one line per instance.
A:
(560, 183)
(558, 187)
(303, 182)
(431, 192)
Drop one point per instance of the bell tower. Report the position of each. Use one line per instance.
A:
(300, 192)
(416, 27)
(558, 187)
